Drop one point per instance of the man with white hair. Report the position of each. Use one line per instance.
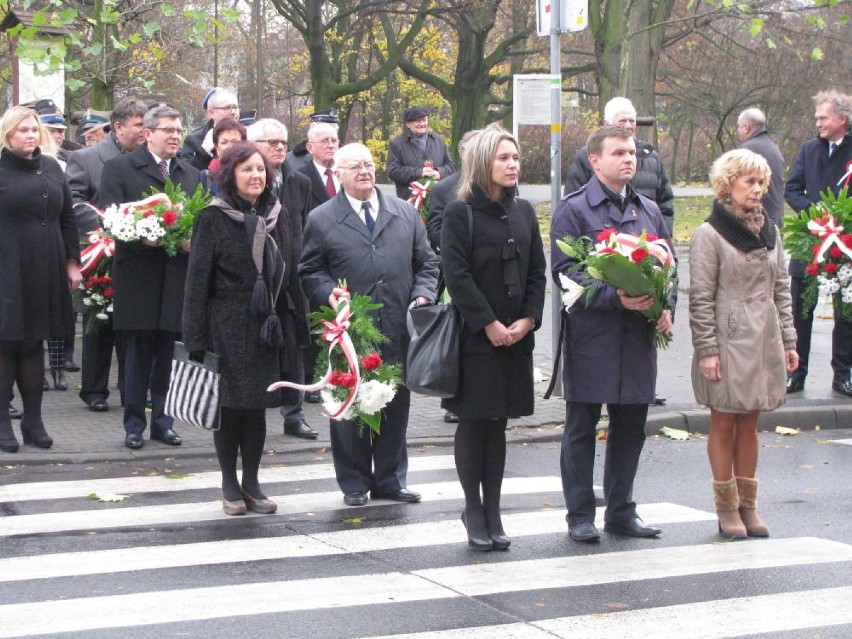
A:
(219, 104)
(751, 130)
(321, 146)
(650, 179)
(378, 245)
(293, 190)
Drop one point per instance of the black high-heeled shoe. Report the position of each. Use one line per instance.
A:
(37, 436)
(480, 544)
(8, 443)
(59, 381)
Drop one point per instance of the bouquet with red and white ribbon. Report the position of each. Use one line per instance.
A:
(822, 237)
(161, 219)
(356, 384)
(638, 264)
(96, 286)
(421, 194)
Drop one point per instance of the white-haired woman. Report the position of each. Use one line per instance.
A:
(742, 332)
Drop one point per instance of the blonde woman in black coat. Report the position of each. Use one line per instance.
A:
(497, 281)
(238, 265)
(39, 267)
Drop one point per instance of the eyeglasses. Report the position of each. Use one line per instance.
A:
(274, 143)
(328, 142)
(169, 130)
(357, 168)
(228, 107)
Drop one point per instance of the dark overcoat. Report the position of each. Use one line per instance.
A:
(773, 200)
(443, 192)
(38, 235)
(318, 193)
(609, 353)
(406, 160)
(84, 170)
(394, 266)
(217, 313)
(192, 152)
(502, 278)
(148, 284)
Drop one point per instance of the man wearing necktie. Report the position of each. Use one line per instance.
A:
(148, 283)
(322, 145)
(378, 245)
(823, 164)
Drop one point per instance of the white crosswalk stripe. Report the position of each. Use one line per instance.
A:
(316, 555)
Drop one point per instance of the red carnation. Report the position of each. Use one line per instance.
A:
(108, 292)
(334, 380)
(604, 235)
(371, 361)
(638, 255)
(812, 269)
(347, 380)
(169, 218)
(650, 237)
(830, 267)
(835, 252)
(847, 239)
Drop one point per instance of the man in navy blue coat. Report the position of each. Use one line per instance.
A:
(609, 352)
(823, 163)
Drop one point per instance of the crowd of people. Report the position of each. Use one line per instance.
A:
(285, 230)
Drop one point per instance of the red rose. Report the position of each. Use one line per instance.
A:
(835, 252)
(847, 239)
(371, 361)
(604, 235)
(347, 380)
(108, 292)
(650, 237)
(812, 269)
(830, 267)
(169, 218)
(334, 380)
(638, 255)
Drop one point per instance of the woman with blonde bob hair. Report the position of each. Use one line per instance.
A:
(39, 267)
(742, 332)
(497, 281)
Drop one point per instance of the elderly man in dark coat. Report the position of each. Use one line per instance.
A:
(751, 130)
(198, 149)
(148, 284)
(378, 245)
(417, 152)
(609, 352)
(84, 171)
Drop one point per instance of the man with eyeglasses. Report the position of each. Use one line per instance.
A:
(322, 145)
(298, 157)
(378, 245)
(148, 284)
(198, 149)
(293, 190)
(417, 152)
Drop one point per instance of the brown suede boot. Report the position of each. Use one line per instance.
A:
(747, 489)
(727, 509)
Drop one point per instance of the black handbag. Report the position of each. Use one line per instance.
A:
(432, 364)
(193, 395)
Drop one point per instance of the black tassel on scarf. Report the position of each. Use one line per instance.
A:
(260, 304)
(270, 332)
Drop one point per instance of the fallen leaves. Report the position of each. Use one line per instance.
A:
(106, 497)
(675, 433)
(783, 430)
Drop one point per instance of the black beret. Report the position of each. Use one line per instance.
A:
(326, 115)
(415, 113)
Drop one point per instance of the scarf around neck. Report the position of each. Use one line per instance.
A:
(736, 232)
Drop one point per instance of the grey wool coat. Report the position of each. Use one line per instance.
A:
(393, 267)
(740, 310)
(216, 312)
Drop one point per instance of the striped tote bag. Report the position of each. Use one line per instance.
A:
(193, 395)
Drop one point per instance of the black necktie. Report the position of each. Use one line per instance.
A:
(831, 148)
(368, 219)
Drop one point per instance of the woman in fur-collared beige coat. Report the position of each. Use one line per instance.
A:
(742, 332)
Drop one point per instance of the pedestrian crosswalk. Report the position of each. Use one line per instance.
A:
(166, 562)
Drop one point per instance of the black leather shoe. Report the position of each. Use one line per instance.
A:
(98, 405)
(402, 495)
(585, 531)
(842, 387)
(59, 381)
(451, 418)
(300, 429)
(313, 397)
(355, 499)
(134, 441)
(633, 528)
(167, 436)
(71, 366)
(658, 401)
(14, 413)
(795, 383)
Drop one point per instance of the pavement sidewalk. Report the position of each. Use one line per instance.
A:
(81, 436)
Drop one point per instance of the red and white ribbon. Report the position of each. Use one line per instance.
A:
(658, 248)
(420, 191)
(99, 248)
(153, 200)
(829, 232)
(336, 335)
(847, 177)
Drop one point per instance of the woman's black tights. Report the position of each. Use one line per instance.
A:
(242, 433)
(21, 361)
(480, 455)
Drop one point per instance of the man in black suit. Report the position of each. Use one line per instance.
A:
(293, 190)
(148, 284)
(322, 145)
(84, 171)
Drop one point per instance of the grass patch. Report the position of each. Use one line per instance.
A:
(690, 213)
